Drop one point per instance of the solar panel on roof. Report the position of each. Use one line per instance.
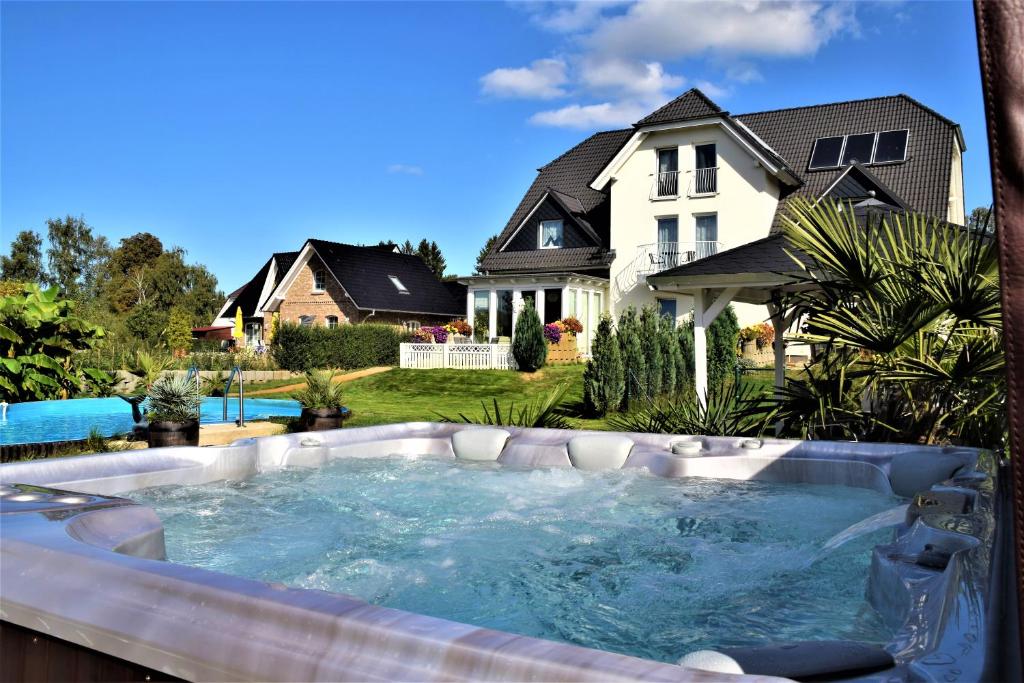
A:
(826, 152)
(892, 146)
(858, 148)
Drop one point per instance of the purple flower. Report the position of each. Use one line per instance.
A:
(552, 333)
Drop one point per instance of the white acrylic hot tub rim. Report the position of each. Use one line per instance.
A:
(204, 625)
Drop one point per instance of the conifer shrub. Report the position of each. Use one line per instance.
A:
(649, 335)
(634, 365)
(666, 346)
(603, 383)
(529, 347)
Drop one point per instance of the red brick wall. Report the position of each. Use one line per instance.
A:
(300, 299)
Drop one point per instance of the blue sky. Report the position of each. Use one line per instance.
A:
(234, 130)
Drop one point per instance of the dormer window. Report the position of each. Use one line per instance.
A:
(551, 235)
(398, 284)
(319, 280)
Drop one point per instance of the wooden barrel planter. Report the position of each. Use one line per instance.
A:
(173, 433)
(323, 419)
(564, 352)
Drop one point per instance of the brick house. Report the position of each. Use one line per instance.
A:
(330, 283)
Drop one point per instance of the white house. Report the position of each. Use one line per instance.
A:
(683, 209)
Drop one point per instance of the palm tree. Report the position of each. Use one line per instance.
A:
(905, 311)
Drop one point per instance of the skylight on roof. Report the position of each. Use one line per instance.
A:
(398, 284)
(834, 151)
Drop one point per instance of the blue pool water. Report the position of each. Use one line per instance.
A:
(620, 561)
(41, 421)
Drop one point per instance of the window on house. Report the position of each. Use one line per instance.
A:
(826, 152)
(306, 320)
(892, 146)
(573, 308)
(481, 315)
(707, 235)
(398, 284)
(319, 280)
(667, 307)
(859, 148)
(668, 172)
(667, 255)
(332, 321)
(551, 234)
(503, 319)
(705, 174)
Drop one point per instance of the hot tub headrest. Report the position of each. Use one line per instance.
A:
(479, 443)
(916, 471)
(599, 451)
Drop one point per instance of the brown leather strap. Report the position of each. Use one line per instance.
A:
(1001, 46)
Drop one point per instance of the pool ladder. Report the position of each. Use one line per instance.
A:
(241, 395)
(193, 371)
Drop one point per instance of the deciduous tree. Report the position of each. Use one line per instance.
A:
(25, 262)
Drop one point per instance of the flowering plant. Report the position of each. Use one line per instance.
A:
(440, 333)
(572, 325)
(459, 327)
(552, 332)
(423, 335)
(762, 333)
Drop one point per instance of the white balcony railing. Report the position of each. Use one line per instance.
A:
(666, 184)
(704, 181)
(660, 256)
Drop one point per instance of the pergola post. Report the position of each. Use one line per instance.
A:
(779, 326)
(707, 305)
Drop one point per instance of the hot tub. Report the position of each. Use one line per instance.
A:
(425, 551)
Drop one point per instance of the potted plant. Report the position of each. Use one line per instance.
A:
(321, 402)
(173, 412)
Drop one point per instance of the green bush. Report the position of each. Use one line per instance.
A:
(40, 341)
(299, 348)
(321, 391)
(529, 347)
(634, 365)
(722, 337)
(649, 334)
(603, 382)
(668, 348)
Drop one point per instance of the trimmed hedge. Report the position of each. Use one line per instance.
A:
(302, 349)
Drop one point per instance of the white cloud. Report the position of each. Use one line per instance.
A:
(660, 29)
(743, 72)
(615, 52)
(541, 80)
(620, 76)
(603, 115)
(407, 169)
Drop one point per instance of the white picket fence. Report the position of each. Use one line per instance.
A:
(457, 356)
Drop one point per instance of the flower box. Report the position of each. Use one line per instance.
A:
(563, 352)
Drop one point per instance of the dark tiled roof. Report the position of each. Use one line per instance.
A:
(692, 104)
(570, 174)
(922, 181)
(364, 271)
(766, 255)
(549, 260)
(248, 295)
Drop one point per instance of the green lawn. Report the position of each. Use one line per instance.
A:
(417, 395)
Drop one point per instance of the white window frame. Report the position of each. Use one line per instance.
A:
(328, 322)
(540, 234)
(319, 273)
(399, 285)
(307, 320)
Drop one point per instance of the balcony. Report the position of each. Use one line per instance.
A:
(703, 183)
(660, 256)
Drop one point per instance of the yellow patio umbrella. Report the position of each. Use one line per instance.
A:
(237, 333)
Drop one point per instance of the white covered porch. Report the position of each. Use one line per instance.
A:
(713, 291)
(493, 302)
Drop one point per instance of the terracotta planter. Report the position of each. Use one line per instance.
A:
(322, 419)
(564, 351)
(162, 433)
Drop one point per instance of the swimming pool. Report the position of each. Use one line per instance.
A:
(45, 421)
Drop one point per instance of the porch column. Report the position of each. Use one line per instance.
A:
(469, 309)
(779, 325)
(707, 304)
(492, 314)
(517, 306)
(565, 303)
(700, 348)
